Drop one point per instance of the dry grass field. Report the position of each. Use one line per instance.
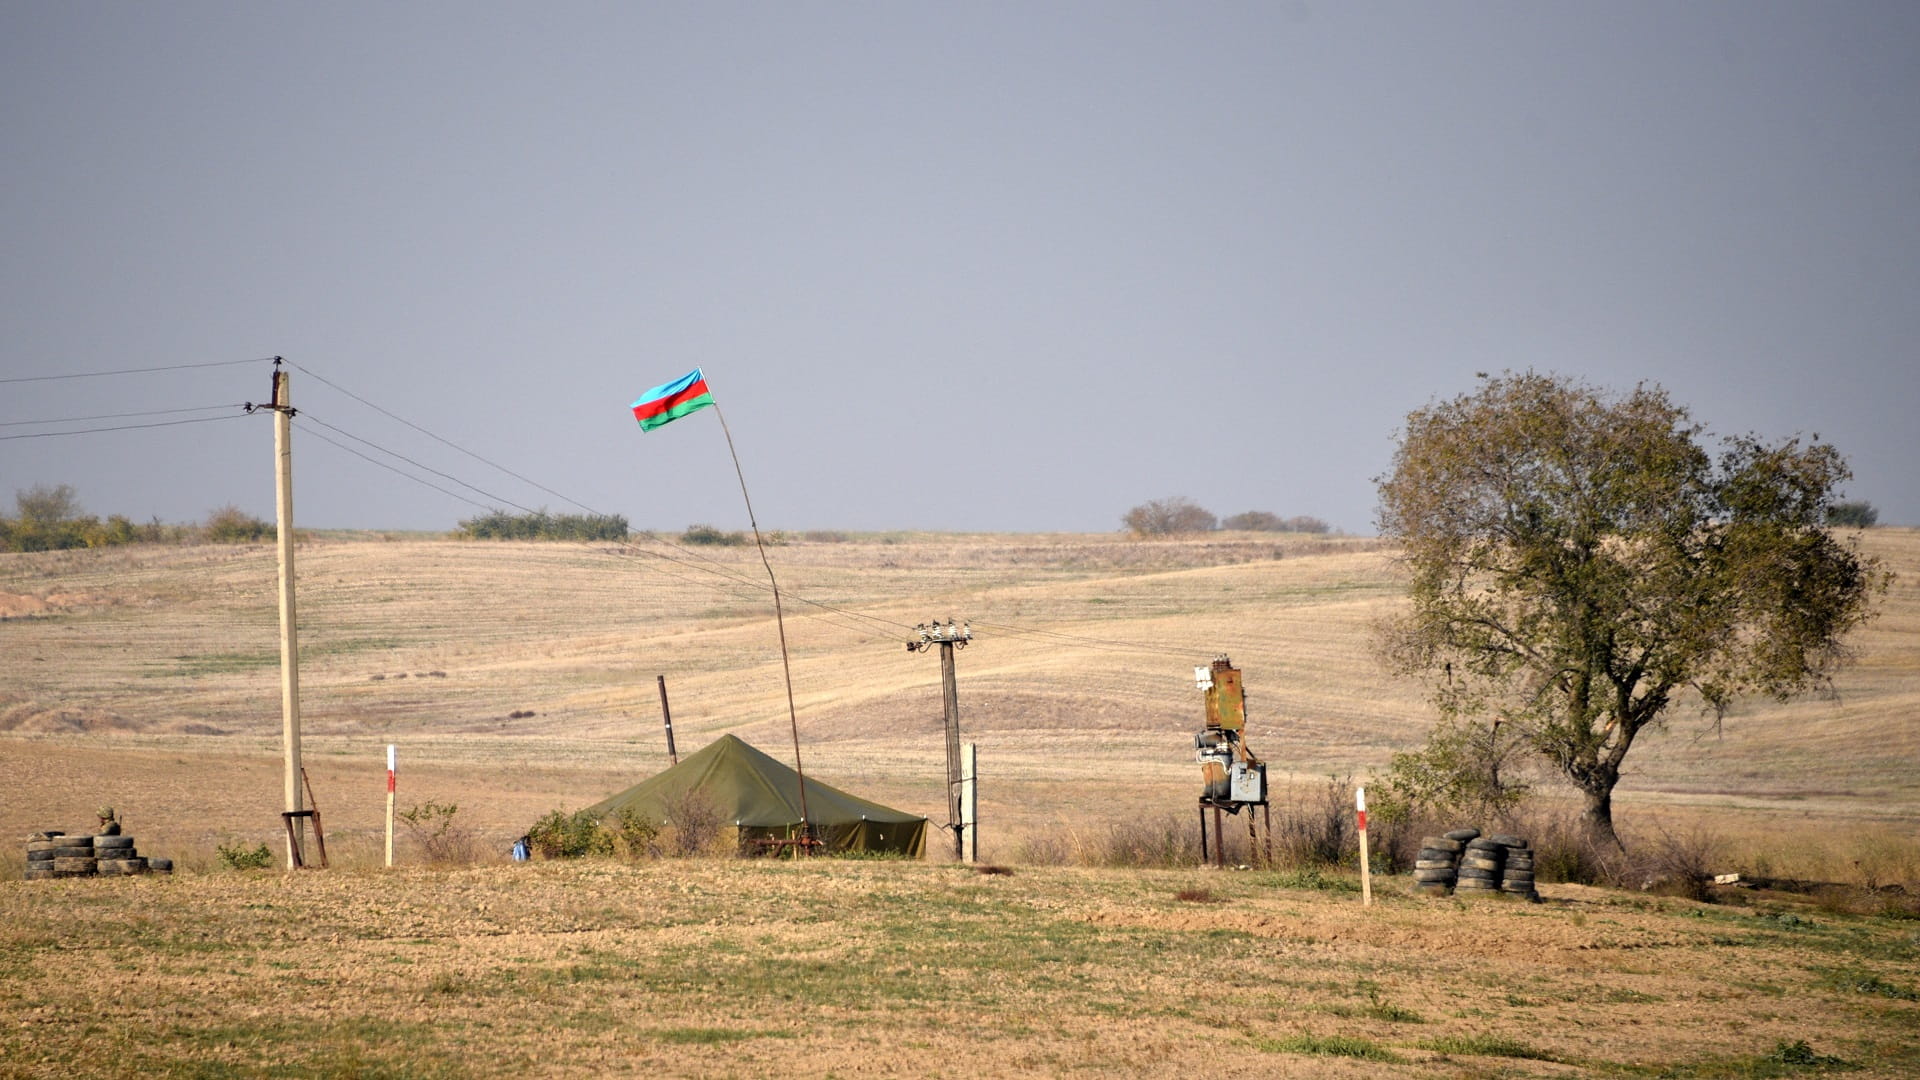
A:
(147, 678)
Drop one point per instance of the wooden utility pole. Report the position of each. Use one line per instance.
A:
(289, 644)
(949, 637)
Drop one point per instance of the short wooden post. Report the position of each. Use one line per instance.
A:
(1366, 878)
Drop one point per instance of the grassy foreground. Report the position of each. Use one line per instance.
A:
(847, 968)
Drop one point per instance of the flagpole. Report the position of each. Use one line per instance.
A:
(780, 620)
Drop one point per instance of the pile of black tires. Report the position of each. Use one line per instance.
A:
(55, 854)
(1464, 863)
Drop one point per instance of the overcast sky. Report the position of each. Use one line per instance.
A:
(947, 266)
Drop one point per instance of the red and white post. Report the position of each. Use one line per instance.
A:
(390, 762)
(1366, 878)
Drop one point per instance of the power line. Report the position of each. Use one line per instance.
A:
(118, 415)
(412, 462)
(448, 442)
(120, 427)
(135, 371)
(392, 469)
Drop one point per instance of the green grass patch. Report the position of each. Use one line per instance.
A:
(1858, 981)
(1486, 1046)
(1328, 1046)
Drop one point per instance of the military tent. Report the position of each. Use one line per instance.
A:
(760, 798)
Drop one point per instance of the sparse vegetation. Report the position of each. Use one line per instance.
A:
(1173, 516)
(541, 525)
(1853, 514)
(1262, 521)
(708, 536)
(238, 856)
(441, 839)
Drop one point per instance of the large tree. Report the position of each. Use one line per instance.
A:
(1580, 563)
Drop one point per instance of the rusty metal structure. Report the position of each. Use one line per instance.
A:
(1232, 776)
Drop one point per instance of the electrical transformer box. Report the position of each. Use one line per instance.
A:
(1247, 782)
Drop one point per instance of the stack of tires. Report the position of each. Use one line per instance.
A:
(55, 854)
(1437, 866)
(1481, 865)
(1516, 874)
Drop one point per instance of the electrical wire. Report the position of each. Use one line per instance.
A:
(392, 416)
(135, 371)
(304, 415)
(118, 415)
(119, 427)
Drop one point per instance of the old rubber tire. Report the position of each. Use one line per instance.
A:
(1508, 840)
(160, 866)
(44, 843)
(1492, 866)
(1433, 864)
(37, 873)
(1432, 877)
(72, 864)
(73, 853)
(123, 866)
(40, 856)
(1463, 835)
(1472, 873)
(1437, 853)
(102, 843)
(1441, 843)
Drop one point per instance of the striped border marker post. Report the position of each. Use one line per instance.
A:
(390, 763)
(1366, 877)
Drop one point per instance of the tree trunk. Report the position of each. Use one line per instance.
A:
(1597, 817)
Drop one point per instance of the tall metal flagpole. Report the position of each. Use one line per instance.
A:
(806, 822)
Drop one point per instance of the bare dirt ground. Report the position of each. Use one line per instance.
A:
(148, 679)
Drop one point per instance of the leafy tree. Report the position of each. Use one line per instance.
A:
(1579, 561)
(1169, 517)
(1857, 514)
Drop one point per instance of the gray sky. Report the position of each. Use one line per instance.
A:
(947, 266)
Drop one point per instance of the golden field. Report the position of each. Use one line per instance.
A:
(147, 678)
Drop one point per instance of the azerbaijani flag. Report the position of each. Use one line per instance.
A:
(670, 401)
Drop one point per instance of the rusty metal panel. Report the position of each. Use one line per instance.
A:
(1226, 703)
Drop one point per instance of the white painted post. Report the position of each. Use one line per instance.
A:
(1366, 878)
(390, 764)
(970, 800)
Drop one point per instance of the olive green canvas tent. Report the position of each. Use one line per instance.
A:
(760, 798)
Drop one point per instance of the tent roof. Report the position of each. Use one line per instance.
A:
(748, 788)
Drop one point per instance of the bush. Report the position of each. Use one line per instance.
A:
(707, 535)
(1857, 514)
(692, 826)
(229, 525)
(560, 835)
(1318, 829)
(1262, 521)
(540, 525)
(432, 828)
(1172, 516)
(238, 856)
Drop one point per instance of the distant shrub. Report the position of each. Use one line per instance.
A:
(1857, 514)
(824, 536)
(1172, 516)
(541, 525)
(230, 525)
(1262, 521)
(707, 535)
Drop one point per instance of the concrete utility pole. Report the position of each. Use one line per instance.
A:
(289, 644)
(949, 637)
